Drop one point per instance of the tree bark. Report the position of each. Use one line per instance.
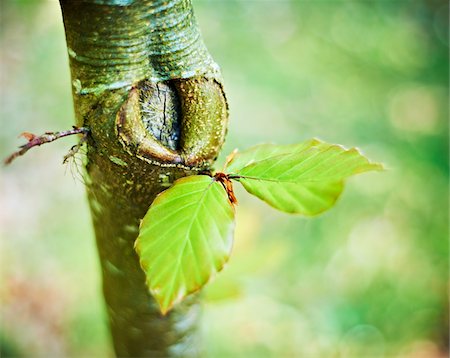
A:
(152, 97)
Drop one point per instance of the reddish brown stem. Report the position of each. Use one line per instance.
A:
(224, 179)
(47, 137)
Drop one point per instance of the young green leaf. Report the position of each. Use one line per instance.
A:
(185, 238)
(265, 151)
(306, 178)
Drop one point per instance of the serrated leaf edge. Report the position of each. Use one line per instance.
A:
(180, 296)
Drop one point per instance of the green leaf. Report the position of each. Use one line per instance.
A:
(305, 179)
(265, 151)
(185, 238)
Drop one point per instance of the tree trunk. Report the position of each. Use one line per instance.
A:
(147, 88)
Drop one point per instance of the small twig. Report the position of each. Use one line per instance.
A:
(47, 137)
(74, 150)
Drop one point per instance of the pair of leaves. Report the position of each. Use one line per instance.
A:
(187, 234)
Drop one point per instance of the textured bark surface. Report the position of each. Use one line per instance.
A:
(152, 97)
(114, 43)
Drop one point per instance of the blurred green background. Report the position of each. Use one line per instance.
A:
(367, 279)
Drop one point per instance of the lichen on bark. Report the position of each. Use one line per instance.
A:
(121, 52)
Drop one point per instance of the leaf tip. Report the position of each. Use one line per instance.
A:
(167, 303)
(164, 310)
(377, 167)
(315, 141)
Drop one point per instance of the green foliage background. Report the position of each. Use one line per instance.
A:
(368, 278)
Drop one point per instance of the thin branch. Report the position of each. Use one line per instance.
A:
(47, 137)
(74, 150)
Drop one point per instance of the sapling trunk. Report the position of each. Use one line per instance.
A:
(151, 96)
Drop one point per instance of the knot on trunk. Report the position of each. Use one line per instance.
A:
(179, 121)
